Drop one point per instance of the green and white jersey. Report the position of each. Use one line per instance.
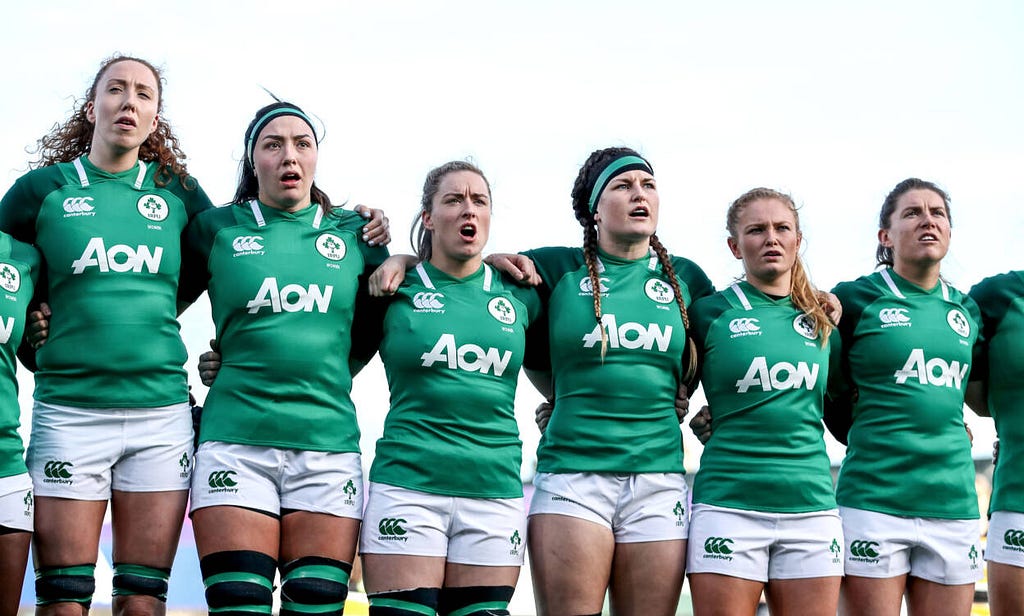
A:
(283, 289)
(905, 357)
(614, 415)
(452, 350)
(764, 374)
(19, 271)
(1001, 366)
(111, 244)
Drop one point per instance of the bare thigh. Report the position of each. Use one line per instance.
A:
(13, 556)
(387, 572)
(863, 596)
(647, 577)
(724, 595)
(304, 533)
(571, 562)
(926, 598)
(1005, 589)
(225, 528)
(818, 596)
(67, 532)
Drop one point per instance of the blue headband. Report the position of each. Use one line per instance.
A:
(258, 125)
(614, 168)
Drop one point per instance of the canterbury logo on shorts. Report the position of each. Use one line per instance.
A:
(391, 529)
(862, 551)
(718, 547)
(222, 479)
(57, 469)
(1014, 538)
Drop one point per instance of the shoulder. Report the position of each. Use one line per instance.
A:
(859, 292)
(527, 295)
(1001, 287)
(705, 310)
(696, 280)
(556, 256)
(190, 193)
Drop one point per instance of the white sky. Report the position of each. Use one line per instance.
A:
(832, 102)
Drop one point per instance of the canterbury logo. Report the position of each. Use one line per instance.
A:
(222, 479)
(244, 243)
(717, 545)
(55, 469)
(78, 204)
(1014, 537)
(741, 326)
(864, 549)
(428, 301)
(893, 315)
(391, 527)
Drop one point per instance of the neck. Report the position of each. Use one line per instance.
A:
(113, 162)
(456, 268)
(623, 248)
(778, 287)
(286, 207)
(924, 275)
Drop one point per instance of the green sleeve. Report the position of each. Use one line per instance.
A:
(20, 206)
(196, 245)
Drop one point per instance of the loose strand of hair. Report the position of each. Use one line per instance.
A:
(808, 299)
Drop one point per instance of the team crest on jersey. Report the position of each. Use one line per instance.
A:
(502, 309)
(153, 207)
(10, 279)
(804, 325)
(894, 317)
(78, 206)
(958, 322)
(587, 287)
(660, 291)
(248, 245)
(331, 246)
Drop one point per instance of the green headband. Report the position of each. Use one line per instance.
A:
(615, 167)
(258, 125)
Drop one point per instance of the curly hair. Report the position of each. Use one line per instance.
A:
(581, 189)
(66, 142)
(802, 293)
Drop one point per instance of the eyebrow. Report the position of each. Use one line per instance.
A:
(462, 194)
(282, 137)
(123, 82)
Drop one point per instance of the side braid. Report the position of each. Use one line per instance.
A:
(590, 257)
(669, 273)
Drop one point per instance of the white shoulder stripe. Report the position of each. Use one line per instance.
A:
(318, 217)
(487, 277)
(141, 176)
(891, 284)
(257, 213)
(945, 290)
(741, 296)
(424, 278)
(82, 178)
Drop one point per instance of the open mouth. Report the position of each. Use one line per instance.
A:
(125, 122)
(468, 231)
(291, 178)
(640, 212)
(773, 254)
(929, 237)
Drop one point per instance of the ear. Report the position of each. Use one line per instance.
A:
(799, 240)
(156, 121)
(884, 239)
(90, 112)
(428, 222)
(734, 247)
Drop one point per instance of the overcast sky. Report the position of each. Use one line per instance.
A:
(834, 103)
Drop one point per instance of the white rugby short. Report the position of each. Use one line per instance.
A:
(269, 479)
(761, 546)
(16, 505)
(83, 453)
(1006, 538)
(467, 531)
(636, 507)
(879, 545)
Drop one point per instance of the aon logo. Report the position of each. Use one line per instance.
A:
(782, 375)
(629, 335)
(6, 325)
(468, 357)
(935, 371)
(291, 297)
(118, 258)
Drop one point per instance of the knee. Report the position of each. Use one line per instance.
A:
(140, 580)
(314, 584)
(475, 600)
(238, 578)
(68, 589)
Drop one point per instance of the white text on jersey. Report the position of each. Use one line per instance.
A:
(291, 297)
(629, 335)
(469, 357)
(119, 258)
(934, 371)
(782, 375)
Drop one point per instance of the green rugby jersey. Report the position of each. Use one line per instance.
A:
(616, 415)
(111, 244)
(283, 290)
(452, 350)
(764, 374)
(1001, 366)
(905, 356)
(19, 271)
